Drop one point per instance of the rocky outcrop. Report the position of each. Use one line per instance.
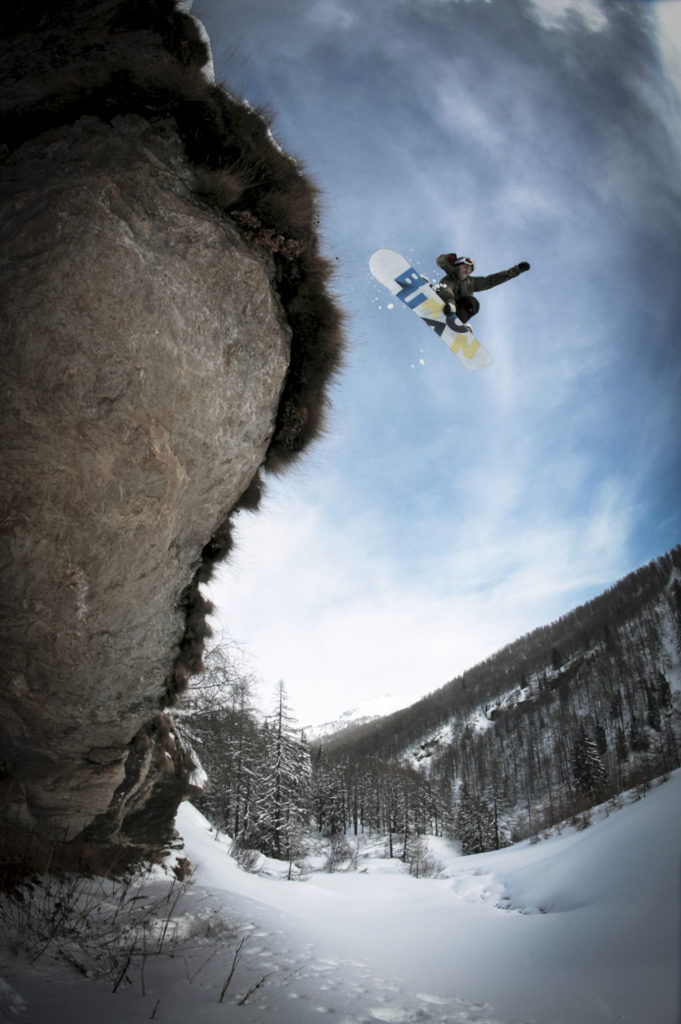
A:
(162, 341)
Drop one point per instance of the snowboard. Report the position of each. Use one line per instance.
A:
(399, 277)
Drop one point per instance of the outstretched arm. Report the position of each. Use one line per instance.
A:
(481, 284)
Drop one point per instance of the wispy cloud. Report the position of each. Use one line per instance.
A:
(558, 14)
(329, 15)
(320, 602)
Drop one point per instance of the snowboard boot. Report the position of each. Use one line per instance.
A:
(467, 307)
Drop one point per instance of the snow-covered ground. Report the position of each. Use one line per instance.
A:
(580, 928)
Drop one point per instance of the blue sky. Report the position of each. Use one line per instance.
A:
(448, 512)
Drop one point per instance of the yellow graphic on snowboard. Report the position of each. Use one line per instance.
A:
(465, 343)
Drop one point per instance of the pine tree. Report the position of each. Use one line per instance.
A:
(331, 799)
(282, 803)
(587, 767)
(474, 824)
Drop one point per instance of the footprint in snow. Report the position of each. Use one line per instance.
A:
(462, 1012)
(397, 1014)
(324, 965)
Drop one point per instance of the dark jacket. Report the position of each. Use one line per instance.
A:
(456, 288)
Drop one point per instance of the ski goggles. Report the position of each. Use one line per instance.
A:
(456, 261)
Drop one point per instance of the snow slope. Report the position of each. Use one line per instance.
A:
(581, 928)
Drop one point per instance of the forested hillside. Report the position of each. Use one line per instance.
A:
(567, 717)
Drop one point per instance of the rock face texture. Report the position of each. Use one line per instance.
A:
(144, 360)
(146, 350)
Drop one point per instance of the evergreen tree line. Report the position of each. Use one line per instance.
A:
(259, 769)
(266, 793)
(553, 736)
(394, 800)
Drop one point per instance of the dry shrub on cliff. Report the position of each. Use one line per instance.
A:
(223, 188)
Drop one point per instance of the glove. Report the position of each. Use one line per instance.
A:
(522, 267)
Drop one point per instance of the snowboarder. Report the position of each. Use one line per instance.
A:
(396, 274)
(457, 287)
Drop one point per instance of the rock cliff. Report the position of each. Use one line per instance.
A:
(167, 333)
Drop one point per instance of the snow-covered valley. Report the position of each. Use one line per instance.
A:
(579, 928)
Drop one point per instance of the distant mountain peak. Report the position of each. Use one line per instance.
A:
(378, 706)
